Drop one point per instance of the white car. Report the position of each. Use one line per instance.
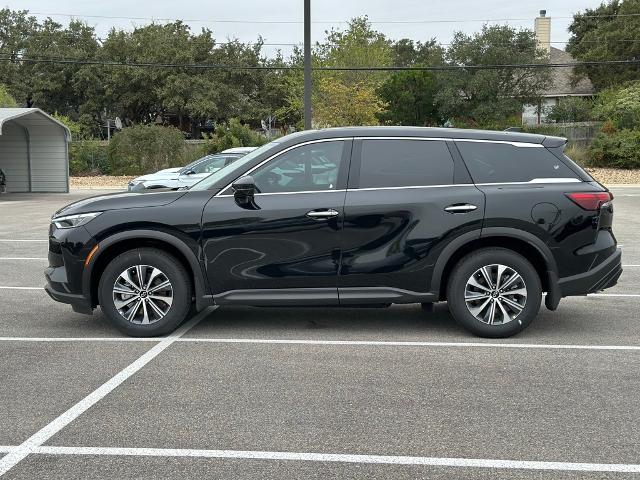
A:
(190, 174)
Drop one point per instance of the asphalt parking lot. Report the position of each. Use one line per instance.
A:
(314, 393)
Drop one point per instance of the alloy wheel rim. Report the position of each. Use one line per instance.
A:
(495, 294)
(142, 294)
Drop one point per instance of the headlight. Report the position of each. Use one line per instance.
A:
(135, 182)
(71, 221)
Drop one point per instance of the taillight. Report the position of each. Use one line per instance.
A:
(590, 200)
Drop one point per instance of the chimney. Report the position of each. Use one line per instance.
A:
(543, 31)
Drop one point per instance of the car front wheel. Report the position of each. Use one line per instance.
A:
(494, 293)
(145, 292)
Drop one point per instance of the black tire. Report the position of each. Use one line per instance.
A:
(470, 264)
(174, 271)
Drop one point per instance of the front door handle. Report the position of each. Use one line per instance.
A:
(460, 208)
(323, 214)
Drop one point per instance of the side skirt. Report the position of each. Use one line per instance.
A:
(351, 296)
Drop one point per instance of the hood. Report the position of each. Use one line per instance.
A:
(119, 201)
(169, 170)
(170, 173)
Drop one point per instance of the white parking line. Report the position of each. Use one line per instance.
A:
(21, 288)
(613, 295)
(379, 343)
(23, 258)
(22, 240)
(339, 458)
(44, 434)
(383, 343)
(81, 339)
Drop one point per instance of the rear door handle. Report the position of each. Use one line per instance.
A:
(323, 214)
(460, 208)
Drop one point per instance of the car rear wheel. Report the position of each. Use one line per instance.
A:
(494, 293)
(145, 292)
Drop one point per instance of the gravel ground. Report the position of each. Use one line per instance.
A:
(99, 182)
(608, 176)
(613, 176)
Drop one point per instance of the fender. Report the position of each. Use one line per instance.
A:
(452, 247)
(542, 248)
(201, 286)
(466, 238)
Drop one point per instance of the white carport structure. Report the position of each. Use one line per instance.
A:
(34, 153)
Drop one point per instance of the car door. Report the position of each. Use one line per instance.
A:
(284, 249)
(407, 199)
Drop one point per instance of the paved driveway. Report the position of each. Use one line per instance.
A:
(314, 393)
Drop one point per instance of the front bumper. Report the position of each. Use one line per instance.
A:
(604, 276)
(78, 302)
(68, 248)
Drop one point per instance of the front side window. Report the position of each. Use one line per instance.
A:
(405, 163)
(309, 167)
(504, 163)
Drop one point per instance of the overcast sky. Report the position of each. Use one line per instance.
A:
(202, 13)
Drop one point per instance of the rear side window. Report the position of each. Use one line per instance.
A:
(405, 163)
(503, 162)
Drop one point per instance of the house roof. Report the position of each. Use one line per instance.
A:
(7, 114)
(561, 85)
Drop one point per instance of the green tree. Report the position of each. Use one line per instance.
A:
(349, 97)
(407, 53)
(621, 106)
(357, 46)
(485, 96)
(6, 100)
(410, 98)
(340, 104)
(16, 28)
(608, 32)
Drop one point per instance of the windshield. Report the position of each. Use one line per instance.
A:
(209, 164)
(238, 166)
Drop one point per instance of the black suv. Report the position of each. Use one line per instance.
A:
(348, 217)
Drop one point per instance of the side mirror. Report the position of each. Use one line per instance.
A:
(188, 172)
(244, 189)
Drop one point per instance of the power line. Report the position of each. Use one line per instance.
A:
(323, 22)
(198, 66)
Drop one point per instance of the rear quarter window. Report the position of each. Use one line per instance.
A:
(505, 163)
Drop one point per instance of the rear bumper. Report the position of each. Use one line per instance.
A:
(605, 275)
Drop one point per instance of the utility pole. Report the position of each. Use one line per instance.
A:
(307, 64)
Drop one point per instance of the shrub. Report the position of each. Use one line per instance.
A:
(232, 134)
(578, 154)
(88, 157)
(620, 149)
(621, 106)
(544, 129)
(145, 149)
(570, 110)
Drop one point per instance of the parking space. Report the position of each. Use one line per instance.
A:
(314, 393)
(41, 380)
(381, 400)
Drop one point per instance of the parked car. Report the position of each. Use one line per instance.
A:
(191, 174)
(487, 221)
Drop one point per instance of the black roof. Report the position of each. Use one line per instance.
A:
(423, 132)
